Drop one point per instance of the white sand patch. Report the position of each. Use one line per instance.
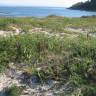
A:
(7, 82)
(16, 31)
(78, 30)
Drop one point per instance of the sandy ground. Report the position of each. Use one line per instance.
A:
(12, 77)
(9, 79)
(74, 32)
(10, 33)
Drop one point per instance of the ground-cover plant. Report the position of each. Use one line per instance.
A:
(67, 59)
(77, 55)
(13, 91)
(54, 23)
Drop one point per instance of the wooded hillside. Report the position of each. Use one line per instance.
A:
(89, 5)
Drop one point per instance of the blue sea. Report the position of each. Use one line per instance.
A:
(42, 12)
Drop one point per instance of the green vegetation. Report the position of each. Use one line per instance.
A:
(13, 91)
(65, 60)
(77, 62)
(54, 24)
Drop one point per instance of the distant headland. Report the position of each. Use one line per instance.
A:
(89, 5)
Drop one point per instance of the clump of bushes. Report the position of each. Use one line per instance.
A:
(58, 59)
(13, 91)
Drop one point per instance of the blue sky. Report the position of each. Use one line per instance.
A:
(54, 3)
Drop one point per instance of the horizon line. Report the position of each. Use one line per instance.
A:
(31, 6)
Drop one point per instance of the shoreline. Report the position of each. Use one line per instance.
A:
(80, 9)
